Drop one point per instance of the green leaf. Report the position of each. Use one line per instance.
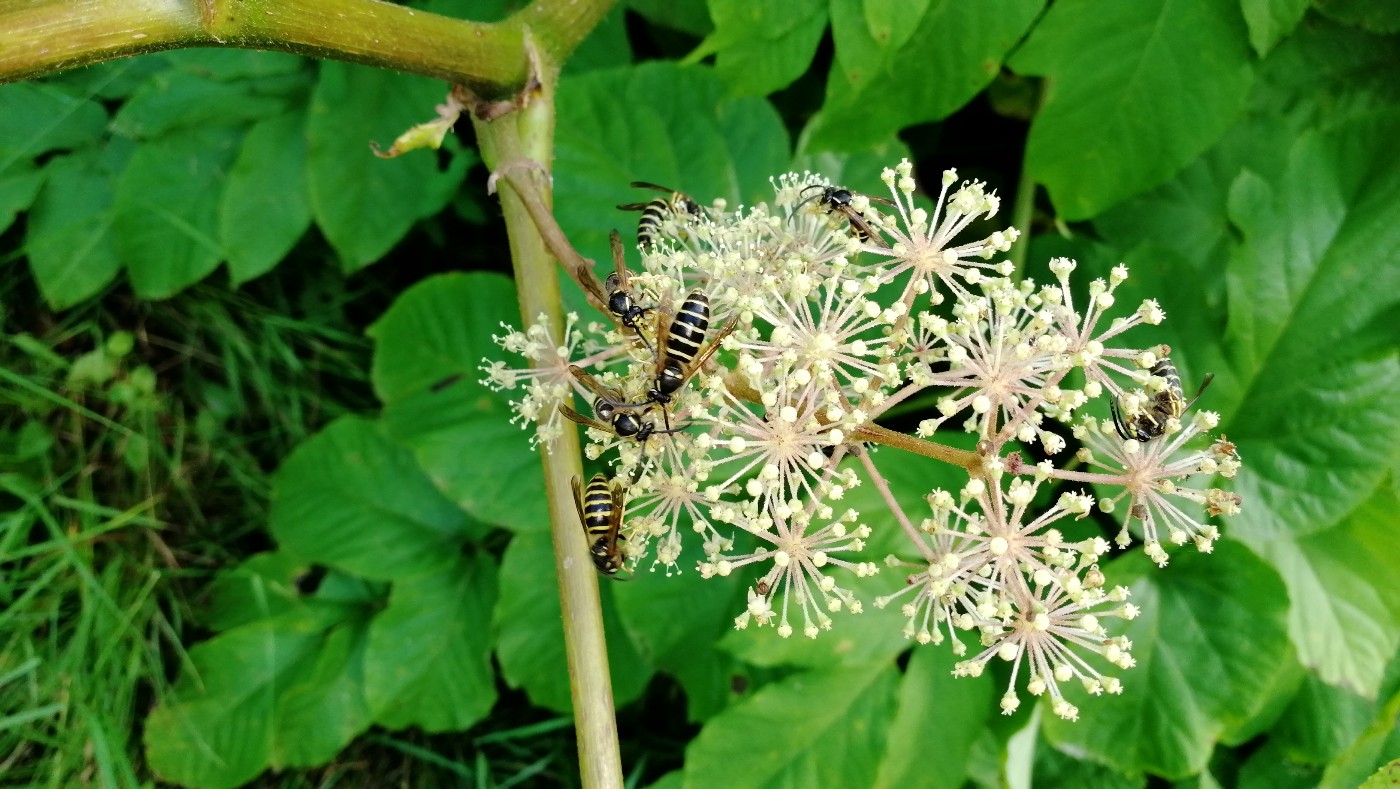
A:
(173, 100)
(1210, 639)
(1373, 16)
(1345, 618)
(1270, 21)
(364, 204)
(1181, 75)
(350, 498)
(691, 17)
(1270, 768)
(264, 210)
(530, 640)
(898, 64)
(1321, 721)
(166, 210)
(275, 693)
(606, 45)
(854, 639)
(931, 698)
(763, 45)
(68, 235)
(429, 348)
(675, 623)
(1379, 742)
(19, 185)
(262, 587)
(39, 118)
(824, 728)
(429, 658)
(1316, 278)
(1056, 768)
(1387, 776)
(690, 138)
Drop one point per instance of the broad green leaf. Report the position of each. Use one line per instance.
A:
(269, 585)
(675, 623)
(932, 699)
(689, 138)
(1385, 777)
(68, 235)
(173, 100)
(606, 45)
(1345, 617)
(429, 348)
(763, 45)
(235, 64)
(859, 170)
(871, 636)
(1180, 77)
(352, 499)
(1056, 768)
(262, 587)
(688, 16)
(429, 658)
(1270, 768)
(326, 709)
(1375, 17)
(898, 64)
(245, 701)
(530, 638)
(1316, 278)
(39, 118)
(1270, 21)
(166, 210)
(1378, 743)
(816, 728)
(1211, 636)
(365, 204)
(1322, 721)
(19, 185)
(264, 210)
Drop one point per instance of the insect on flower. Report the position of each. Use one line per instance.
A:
(1169, 403)
(616, 413)
(600, 507)
(835, 198)
(616, 292)
(679, 355)
(656, 211)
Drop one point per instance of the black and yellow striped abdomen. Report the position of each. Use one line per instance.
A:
(688, 329)
(598, 512)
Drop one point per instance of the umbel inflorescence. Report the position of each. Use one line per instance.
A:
(825, 311)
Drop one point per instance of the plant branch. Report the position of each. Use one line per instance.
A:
(527, 135)
(49, 35)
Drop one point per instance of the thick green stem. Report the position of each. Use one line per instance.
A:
(516, 140)
(49, 35)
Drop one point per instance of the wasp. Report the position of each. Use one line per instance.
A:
(679, 340)
(656, 211)
(600, 507)
(618, 416)
(1169, 403)
(616, 294)
(838, 199)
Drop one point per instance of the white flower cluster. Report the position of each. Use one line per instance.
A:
(833, 311)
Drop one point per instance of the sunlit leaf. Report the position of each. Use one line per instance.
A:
(1180, 77)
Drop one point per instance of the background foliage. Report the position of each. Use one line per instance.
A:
(245, 527)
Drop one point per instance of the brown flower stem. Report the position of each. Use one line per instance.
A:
(878, 480)
(875, 434)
